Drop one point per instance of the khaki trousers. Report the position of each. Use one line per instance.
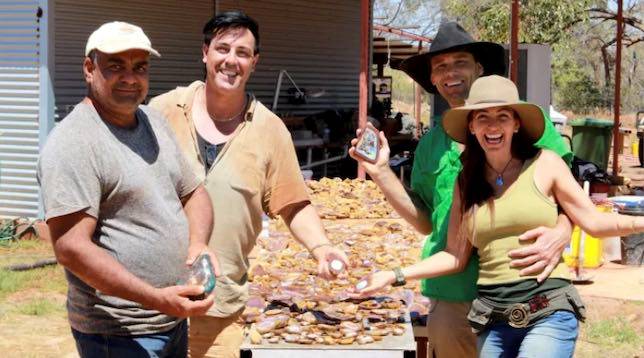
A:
(449, 334)
(215, 337)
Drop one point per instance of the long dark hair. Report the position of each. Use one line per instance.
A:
(472, 182)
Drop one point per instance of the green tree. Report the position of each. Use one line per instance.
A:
(542, 21)
(582, 36)
(577, 91)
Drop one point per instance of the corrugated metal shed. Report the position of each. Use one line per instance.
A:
(174, 27)
(317, 42)
(19, 107)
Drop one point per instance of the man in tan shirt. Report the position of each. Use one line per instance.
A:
(247, 158)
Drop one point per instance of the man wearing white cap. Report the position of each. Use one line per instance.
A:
(125, 212)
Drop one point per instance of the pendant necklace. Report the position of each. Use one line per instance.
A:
(499, 176)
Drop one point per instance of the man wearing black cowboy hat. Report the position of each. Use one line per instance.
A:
(453, 63)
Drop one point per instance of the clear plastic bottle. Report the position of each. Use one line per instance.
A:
(265, 226)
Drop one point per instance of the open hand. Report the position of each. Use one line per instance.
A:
(375, 282)
(175, 301)
(324, 255)
(542, 256)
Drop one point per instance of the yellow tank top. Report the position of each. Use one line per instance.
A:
(522, 207)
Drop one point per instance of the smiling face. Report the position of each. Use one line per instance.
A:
(494, 128)
(118, 81)
(230, 59)
(453, 74)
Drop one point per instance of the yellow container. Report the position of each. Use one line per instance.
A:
(635, 147)
(592, 250)
(592, 247)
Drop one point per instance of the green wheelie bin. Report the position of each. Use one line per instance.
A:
(591, 140)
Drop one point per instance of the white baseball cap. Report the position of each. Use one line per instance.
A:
(117, 36)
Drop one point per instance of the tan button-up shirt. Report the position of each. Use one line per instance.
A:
(256, 172)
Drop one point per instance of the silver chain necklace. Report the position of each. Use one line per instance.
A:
(231, 118)
(243, 108)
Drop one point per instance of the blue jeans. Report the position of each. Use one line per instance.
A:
(173, 343)
(552, 336)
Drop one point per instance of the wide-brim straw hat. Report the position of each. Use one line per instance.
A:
(494, 91)
(451, 37)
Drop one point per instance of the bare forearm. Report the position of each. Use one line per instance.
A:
(609, 224)
(306, 227)
(101, 271)
(439, 264)
(398, 198)
(198, 209)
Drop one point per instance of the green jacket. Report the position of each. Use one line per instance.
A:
(436, 166)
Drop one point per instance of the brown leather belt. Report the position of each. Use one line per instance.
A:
(521, 315)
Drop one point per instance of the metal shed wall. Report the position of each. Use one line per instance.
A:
(19, 107)
(317, 42)
(174, 27)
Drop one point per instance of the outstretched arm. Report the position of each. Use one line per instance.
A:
(306, 226)
(451, 260)
(391, 187)
(457, 251)
(581, 209)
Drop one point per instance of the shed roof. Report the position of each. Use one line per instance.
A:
(395, 45)
(394, 50)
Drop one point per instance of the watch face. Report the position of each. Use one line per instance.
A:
(368, 145)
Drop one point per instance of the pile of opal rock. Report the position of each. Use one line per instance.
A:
(289, 303)
(349, 199)
(329, 323)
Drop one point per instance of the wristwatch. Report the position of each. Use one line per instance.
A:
(400, 278)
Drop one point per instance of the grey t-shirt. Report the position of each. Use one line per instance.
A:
(132, 181)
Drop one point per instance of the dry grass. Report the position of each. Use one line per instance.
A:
(33, 320)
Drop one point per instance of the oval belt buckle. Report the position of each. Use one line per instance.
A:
(518, 316)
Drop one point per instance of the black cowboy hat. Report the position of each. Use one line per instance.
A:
(452, 37)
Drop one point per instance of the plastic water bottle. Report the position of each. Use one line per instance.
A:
(265, 226)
